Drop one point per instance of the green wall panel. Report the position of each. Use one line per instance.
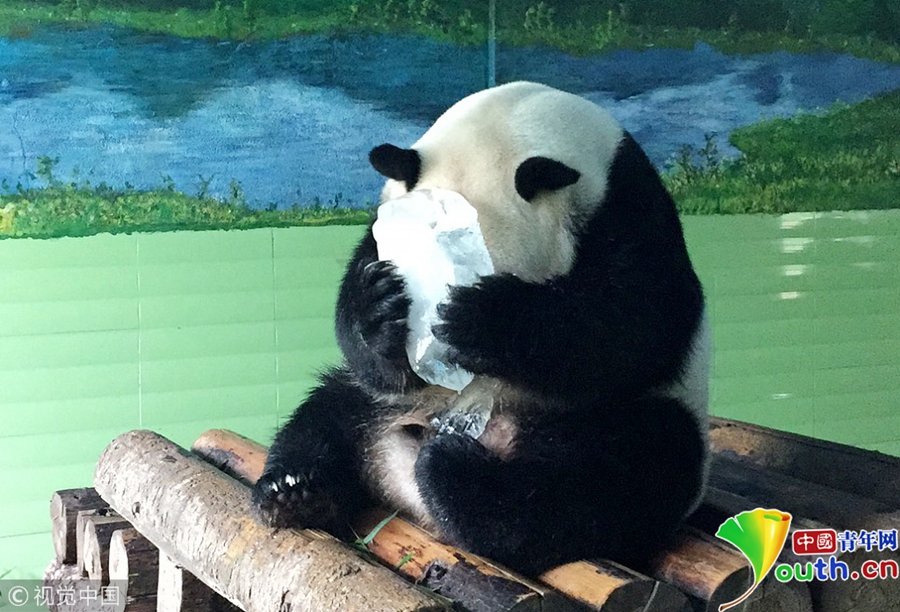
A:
(806, 323)
(175, 332)
(182, 332)
(30, 552)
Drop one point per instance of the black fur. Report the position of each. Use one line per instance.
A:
(537, 174)
(396, 163)
(609, 481)
(599, 467)
(312, 473)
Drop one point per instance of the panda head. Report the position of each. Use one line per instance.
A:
(532, 160)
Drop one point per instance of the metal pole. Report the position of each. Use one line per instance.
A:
(492, 44)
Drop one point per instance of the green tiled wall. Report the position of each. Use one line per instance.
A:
(176, 332)
(806, 321)
(181, 332)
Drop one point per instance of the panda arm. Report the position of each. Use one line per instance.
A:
(370, 321)
(576, 336)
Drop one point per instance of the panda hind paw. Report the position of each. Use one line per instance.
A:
(288, 500)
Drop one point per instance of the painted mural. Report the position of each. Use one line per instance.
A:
(155, 115)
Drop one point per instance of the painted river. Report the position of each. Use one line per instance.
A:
(293, 120)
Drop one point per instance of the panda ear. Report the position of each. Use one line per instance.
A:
(537, 174)
(396, 163)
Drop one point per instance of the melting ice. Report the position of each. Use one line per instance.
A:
(433, 237)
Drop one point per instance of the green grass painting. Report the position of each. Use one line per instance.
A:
(871, 30)
(845, 159)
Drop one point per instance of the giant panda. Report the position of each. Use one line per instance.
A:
(589, 345)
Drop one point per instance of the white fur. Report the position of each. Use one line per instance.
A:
(392, 462)
(692, 389)
(475, 147)
(393, 450)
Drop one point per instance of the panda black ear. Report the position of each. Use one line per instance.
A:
(537, 174)
(396, 163)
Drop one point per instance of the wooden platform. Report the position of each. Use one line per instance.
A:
(170, 530)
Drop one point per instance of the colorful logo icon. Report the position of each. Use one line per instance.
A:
(760, 535)
(814, 542)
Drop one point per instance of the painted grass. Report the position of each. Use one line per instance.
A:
(66, 210)
(537, 25)
(846, 159)
(18, 19)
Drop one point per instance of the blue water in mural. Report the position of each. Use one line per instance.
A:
(294, 120)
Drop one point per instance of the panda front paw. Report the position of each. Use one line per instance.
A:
(383, 326)
(478, 323)
(292, 499)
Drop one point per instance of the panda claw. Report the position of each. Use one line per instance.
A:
(288, 500)
(384, 326)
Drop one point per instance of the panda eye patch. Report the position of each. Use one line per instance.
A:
(537, 174)
(396, 163)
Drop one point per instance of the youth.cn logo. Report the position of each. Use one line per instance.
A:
(761, 534)
(814, 542)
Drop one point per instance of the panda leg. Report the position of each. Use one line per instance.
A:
(313, 473)
(579, 487)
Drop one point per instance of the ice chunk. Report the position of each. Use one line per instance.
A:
(463, 420)
(433, 237)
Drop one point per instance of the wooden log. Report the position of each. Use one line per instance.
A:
(81, 521)
(838, 466)
(67, 591)
(703, 569)
(236, 455)
(140, 604)
(98, 531)
(713, 573)
(64, 508)
(181, 591)
(608, 587)
(771, 489)
(200, 517)
(134, 566)
(476, 583)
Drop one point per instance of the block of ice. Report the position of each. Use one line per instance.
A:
(433, 237)
(464, 420)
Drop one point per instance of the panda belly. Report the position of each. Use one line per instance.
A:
(407, 423)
